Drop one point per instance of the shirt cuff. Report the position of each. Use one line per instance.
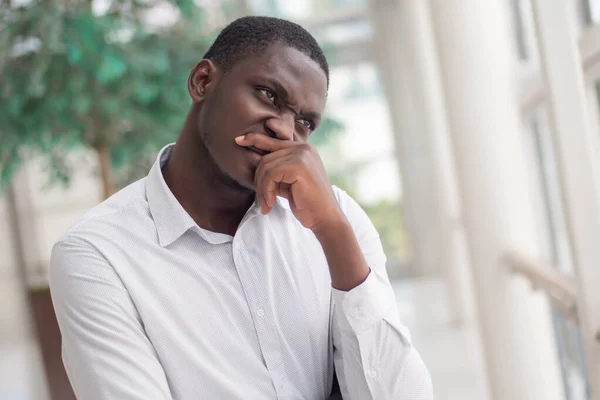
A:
(364, 306)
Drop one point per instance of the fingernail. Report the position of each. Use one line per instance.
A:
(240, 138)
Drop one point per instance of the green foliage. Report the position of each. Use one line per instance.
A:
(73, 78)
(387, 217)
(328, 130)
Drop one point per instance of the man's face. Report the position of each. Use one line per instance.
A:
(280, 93)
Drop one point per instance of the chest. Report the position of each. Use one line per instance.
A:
(260, 302)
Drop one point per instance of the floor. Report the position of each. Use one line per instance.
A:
(21, 373)
(450, 352)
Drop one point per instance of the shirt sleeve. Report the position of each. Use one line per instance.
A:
(106, 352)
(373, 354)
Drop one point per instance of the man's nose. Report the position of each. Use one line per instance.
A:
(281, 127)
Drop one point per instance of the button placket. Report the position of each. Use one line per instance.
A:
(263, 323)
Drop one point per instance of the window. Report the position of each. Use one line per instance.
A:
(555, 248)
(596, 102)
(519, 29)
(344, 32)
(302, 9)
(591, 11)
(548, 198)
(524, 31)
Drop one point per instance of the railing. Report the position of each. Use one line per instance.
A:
(560, 288)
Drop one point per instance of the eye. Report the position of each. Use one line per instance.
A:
(268, 94)
(308, 124)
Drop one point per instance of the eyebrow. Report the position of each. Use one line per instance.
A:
(284, 93)
(278, 87)
(312, 115)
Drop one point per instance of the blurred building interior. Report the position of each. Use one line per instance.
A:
(469, 131)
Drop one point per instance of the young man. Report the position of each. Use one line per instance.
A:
(234, 270)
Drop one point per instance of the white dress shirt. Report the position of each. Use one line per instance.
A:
(151, 306)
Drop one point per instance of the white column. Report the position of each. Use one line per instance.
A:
(578, 148)
(477, 68)
(408, 61)
(420, 211)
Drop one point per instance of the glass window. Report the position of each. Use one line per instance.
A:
(571, 354)
(593, 93)
(597, 92)
(519, 29)
(548, 197)
(591, 11)
(301, 9)
(344, 32)
(523, 25)
(555, 248)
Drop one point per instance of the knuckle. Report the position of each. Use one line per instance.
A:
(306, 148)
(305, 154)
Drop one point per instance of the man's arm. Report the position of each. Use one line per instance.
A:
(106, 352)
(373, 354)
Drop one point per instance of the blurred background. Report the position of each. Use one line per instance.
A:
(469, 130)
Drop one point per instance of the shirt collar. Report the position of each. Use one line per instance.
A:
(170, 218)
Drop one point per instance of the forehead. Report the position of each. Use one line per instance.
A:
(304, 80)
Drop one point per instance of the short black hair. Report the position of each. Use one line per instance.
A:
(247, 36)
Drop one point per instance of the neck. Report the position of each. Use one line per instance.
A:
(200, 186)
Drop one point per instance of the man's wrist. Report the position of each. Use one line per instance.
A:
(332, 227)
(347, 265)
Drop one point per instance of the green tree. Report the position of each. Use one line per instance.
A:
(110, 82)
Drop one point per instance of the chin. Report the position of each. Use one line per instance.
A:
(245, 185)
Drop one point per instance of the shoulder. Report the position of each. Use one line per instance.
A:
(364, 230)
(353, 211)
(125, 211)
(358, 218)
(83, 250)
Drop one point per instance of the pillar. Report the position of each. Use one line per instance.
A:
(406, 54)
(477, 67)
(577, 145)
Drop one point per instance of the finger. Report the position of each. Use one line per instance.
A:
(284, 190)
(266, 161)
(274, 155)
(274, 178)
(264, 142)
(267, 194)
(267, 199)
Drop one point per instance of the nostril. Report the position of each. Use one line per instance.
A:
(271, 133)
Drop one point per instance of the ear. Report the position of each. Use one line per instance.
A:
(202, 80)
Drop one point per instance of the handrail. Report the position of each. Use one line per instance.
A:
(560, 288)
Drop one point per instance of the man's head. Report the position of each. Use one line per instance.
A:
(248, 36)
(262, 75)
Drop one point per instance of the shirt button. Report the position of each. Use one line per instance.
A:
(260, 312)
(373, 374)
(355, 312)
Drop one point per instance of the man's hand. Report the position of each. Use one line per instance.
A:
(294, 171)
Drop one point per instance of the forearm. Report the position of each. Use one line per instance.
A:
(347, 264)
(373, 352)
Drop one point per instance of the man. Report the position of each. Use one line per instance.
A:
(234, 270)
